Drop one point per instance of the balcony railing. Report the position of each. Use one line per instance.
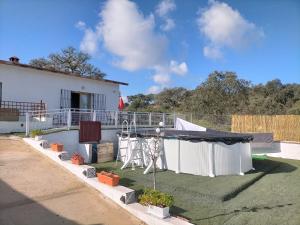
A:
(70, 118)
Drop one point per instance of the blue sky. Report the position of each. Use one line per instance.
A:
(157, 44)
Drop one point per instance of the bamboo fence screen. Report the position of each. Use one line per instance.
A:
(283, 127)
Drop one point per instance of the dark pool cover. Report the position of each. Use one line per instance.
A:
(198, 136)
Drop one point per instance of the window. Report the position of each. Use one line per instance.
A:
(85, 101)
(82, 100)
(99, 101)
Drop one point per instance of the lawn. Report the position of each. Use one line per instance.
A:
(268, 195)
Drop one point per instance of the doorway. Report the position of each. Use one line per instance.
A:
(75, 100)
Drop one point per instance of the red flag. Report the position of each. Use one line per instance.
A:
(121, 104)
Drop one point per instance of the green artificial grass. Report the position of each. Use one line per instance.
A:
(268, 195)
(259, 157)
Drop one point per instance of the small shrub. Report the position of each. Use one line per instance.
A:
(34, 133)
(156, 198)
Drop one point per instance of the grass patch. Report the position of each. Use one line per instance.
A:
(202, 199)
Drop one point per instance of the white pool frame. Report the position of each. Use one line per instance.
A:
(203, 158)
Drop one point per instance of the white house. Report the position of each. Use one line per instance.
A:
(25, 88)
(25, 83)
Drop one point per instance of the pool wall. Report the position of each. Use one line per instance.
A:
(203, 158)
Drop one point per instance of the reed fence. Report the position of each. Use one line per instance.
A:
(283, 127)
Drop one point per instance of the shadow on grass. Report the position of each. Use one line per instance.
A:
(245, 210)
(271, 167)
(263, 167)
(175, 210)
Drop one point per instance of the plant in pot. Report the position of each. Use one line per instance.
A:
(77, 159)
(158, 203)
(37, 134)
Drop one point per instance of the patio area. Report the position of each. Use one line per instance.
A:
(268, 195)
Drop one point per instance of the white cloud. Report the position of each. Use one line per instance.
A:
(89, 43)
(154, 89)
(225, 27)
(128, 34)
(212, 52)
(179, 69)
(168, 25)
(162, 79)
(80, 25)
(131, 38)
(165, 7)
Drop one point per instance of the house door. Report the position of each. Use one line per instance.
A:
(75, 100)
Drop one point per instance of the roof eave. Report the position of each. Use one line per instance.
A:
(61, 72)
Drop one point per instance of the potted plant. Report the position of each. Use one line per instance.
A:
(108, 178)
(37, 134)
(158, 203)
(77, 159)
(57, 147)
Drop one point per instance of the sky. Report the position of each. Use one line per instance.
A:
(157, 44)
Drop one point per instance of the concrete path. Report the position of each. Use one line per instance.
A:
(34, 190)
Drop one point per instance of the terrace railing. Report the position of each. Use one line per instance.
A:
(20, 108)
(70, 118)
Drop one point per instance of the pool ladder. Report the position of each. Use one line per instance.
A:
(132, 145)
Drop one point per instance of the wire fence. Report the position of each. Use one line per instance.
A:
(218, 122)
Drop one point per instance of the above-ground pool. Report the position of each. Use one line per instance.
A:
(209, 153)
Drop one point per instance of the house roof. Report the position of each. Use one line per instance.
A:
(60, 72)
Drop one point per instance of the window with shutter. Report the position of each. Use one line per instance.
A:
(65, 99)
(99, 101)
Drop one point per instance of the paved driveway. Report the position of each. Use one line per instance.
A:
(34, 190)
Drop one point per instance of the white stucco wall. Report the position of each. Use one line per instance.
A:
(30, 85)
(20, 126)
(288, 150)
(70, 140)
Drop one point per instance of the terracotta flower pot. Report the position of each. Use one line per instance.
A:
(57, 147)
(77, 161)
(108, 178)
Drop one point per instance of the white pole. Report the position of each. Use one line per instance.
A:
(174, 120)
(134, 118)
(27, 124)
(94, 115)
(211, 160)
(241, 172)
(178, 157)
(116, 118)
(69, 119)
(150, 120)
(164, 119)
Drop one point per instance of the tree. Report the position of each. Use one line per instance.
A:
(69, 60)
(172, 98)
(154, 151)
(140, 102)
(221, 93)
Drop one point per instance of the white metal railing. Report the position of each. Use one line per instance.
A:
(70, 118)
